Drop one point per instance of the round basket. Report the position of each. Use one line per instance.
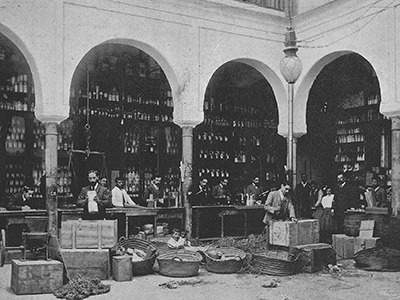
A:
(379, 258)
(140, 267)
(275, 263)
(231, 262)
(179, 263)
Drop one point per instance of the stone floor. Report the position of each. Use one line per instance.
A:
(348, 284)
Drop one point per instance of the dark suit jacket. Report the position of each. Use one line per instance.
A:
(200, 195)
(345, 198)
(104, 201)
(253, 190)
(381, 197)
(277, 208)
(220, 194)
(16, 202)
(302, 200)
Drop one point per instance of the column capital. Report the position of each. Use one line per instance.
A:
(50, 118)
(187, 123)
(296, 135)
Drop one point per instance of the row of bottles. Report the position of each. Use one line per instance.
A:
(360, 157)
(15, 179)
(351, 138)
(64, 181)
(224, 106)
(114, 96)
(213, 173)
(212, 137)
(17, 105)
(346, 131)
(131, 141)
(132, 181)
(15, 140)
(136, 114)
(39, 135)
(37, 176)
(17, 83)
(353, 167)
(214, 155)
(369, 115)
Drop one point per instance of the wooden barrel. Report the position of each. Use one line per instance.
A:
(381, 217)
(352, 222)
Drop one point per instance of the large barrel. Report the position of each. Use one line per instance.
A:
(381, 217)
(352, 222)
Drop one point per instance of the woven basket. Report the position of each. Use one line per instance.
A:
(378, 259)
(276, 263)
(179, 263)
(140, 267)
(232, 264)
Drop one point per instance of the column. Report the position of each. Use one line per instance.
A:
(51, 162)
(187, 165)
(396, 165)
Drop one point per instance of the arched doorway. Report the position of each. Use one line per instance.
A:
(345, 131)
(238, 138)
(123, 95)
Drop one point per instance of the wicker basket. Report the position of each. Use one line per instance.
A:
(140, 267)
(378, 259)
(179, 263)
(276, 263)
(232, 264)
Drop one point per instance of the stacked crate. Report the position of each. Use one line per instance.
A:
(346, 246)
(85, 246)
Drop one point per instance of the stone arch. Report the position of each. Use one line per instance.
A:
(154, 53)
(301, 97)
(269, 74)
(14, 38)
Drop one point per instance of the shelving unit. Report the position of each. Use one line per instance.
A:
(21, 135)
(129, 103)
(357, 123)
(238, 139)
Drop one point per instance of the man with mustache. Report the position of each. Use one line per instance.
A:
(101, 196)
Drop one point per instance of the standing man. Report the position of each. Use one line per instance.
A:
(97, 193)
(24, 200)
(302, 198)
(221, 193)
(279, 206)
(379, 193)
(120, 197)
(153, 193)
(346, 197)
(254, 189)
(201, 194)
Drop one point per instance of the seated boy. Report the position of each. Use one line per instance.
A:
(176, 241)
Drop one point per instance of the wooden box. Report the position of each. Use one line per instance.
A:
(36, 277)
(122, 268)
(289, 234)
(365, 243)
(343, 245)
(87, 262)
(314, 257)
(88, 234)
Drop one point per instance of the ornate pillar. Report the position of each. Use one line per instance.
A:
(396, 165)
(187, 165)
(51, 163)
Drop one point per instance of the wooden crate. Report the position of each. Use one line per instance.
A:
(88, 234)
(314, 257)
(87, 262)
(122, 268)
(361, 243)
(343, 245)
(36, 277)
(289, 234)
